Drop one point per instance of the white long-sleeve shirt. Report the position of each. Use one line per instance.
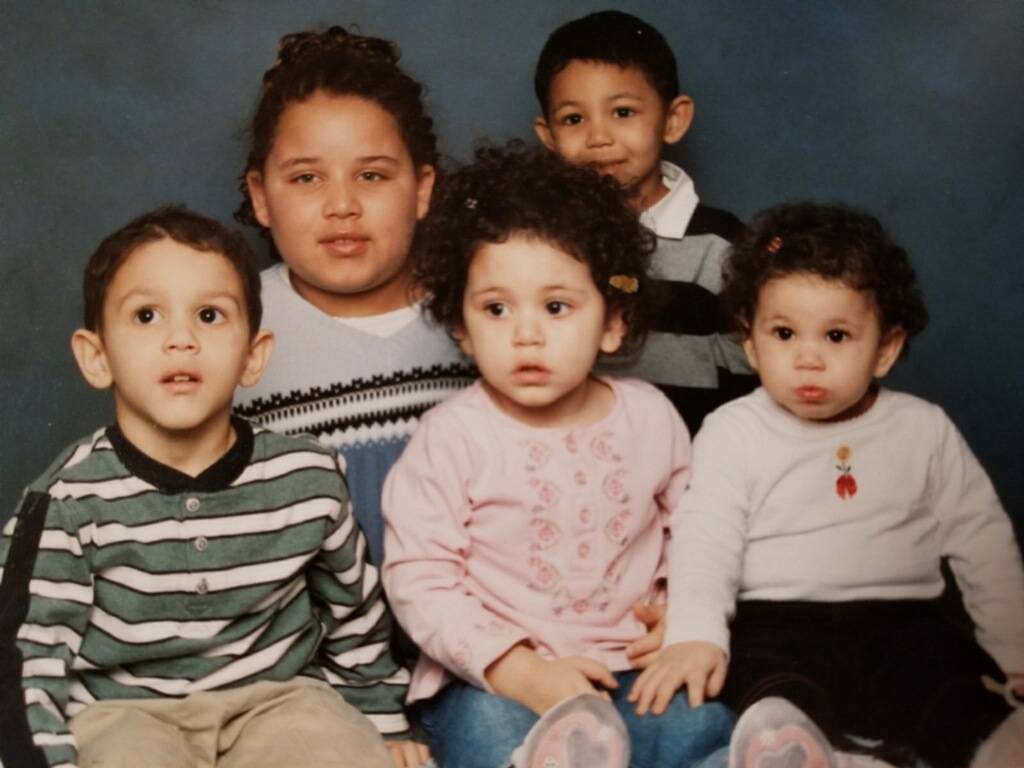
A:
(780, 508)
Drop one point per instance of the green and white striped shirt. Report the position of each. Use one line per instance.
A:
(123, 578)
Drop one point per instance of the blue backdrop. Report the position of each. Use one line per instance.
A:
(912, 109)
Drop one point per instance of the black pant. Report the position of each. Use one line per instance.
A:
(898, 671)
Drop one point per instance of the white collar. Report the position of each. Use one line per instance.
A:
(670, 216)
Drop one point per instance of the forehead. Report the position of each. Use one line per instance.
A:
(813, 296)
(583, 79)
(345, 126)
(167, 266)
(527, 263)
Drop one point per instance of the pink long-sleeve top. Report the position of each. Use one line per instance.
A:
(498, 533)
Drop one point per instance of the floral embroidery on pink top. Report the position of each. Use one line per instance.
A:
(846, 486)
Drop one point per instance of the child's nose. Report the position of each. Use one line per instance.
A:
(808, 355)
(181, 338)
(527, 331)
(341, 200)
(598, 134)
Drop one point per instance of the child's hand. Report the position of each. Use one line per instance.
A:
(538, 684)
(645, 650)
(698, 665)
(408, 754)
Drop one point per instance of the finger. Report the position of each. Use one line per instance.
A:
(644, 645)
(423, 753)
(695, 682)
(397, 758)
(597, 672)
(642, 662)
(717, 679)
(647, 693)
(663, 696)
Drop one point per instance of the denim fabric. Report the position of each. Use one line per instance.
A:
(470, 728)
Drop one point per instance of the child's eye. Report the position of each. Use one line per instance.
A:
(211, 315)
(556, 308)
(304, 178)
(574, 118)
(624, 112)
(146, 315)
(782, 333)
(372, 176)
(836, 336)
(496, 309)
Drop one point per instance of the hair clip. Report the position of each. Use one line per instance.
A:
(471, 203)
(624, 283)
(774, 245)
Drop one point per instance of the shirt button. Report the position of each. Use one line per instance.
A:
(192, 504)
(583, 550)
(202, 587)
(201, 544)
(585, 516)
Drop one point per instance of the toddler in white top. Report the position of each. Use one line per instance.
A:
(820, 511)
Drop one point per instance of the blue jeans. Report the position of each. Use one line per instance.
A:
(470, 728)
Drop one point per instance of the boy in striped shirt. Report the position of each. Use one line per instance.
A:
(185, 588)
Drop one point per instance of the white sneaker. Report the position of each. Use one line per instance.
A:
(773, 733)
(582, 732)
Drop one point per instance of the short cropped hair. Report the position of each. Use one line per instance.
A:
(183, 226)
(831, 241)
(515, 191)
(608, 37)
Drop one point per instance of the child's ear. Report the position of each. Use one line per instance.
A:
(460, 335)
(258, 195)
(87, 347)
(889, 351)
(614, 333)
(424, 189)
(678, 117)
(260, 347)
(750, 350)
(543, 131)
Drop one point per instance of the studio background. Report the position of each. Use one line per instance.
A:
(911, 109)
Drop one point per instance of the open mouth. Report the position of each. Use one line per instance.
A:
(180, 382)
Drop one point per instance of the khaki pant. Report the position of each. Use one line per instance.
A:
(298, 724)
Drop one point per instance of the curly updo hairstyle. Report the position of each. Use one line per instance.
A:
(340, 63)
(831, 241)
(514, 191)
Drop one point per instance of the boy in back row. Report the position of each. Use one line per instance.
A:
(185, 585)
(609, 97)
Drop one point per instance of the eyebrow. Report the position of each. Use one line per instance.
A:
(299, 161)
(612, 97)
(149, 294)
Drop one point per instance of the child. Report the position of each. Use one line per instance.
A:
(609, 98)
(821, 506)
(183, 588)
(340, 169)
(528, 513)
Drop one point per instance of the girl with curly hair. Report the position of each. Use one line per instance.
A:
(821, 508)
(529, 513)
(340, 171)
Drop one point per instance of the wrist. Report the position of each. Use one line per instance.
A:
(507, 672)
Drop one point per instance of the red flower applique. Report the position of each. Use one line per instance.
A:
(846, 486)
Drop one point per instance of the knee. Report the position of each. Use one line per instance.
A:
(470, 728)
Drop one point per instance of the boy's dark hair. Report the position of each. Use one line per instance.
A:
(608, 37)
(831, 241)
(183, 226)
(513, 190)
(340, 63)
